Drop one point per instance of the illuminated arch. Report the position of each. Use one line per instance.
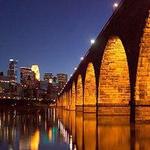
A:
(79, 100)
(90, 86)
(69, 96)
(67, 99)
(143, 71)
(73, 97)
(61, 101)
(114, 83)
(58, 102)
(64, 100)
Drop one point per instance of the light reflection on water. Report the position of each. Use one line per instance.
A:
(30, 129)
(89, 132)
(42, 129)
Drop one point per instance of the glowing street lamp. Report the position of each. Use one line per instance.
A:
(115, 5)
(81, 58)
(92, 41)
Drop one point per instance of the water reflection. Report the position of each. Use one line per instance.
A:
(79, 130)
(30, 129)
(114, 133)
(88, 132)
(42, 129)
(142, 136)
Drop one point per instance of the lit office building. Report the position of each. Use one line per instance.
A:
(62, 79)
(35, 69)
(26, 74)
(48, 77)
(8, 88)
(12, 70)
(4, 82)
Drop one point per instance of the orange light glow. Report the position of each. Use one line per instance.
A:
(114, 85)
(73, 97)
(67, 100)
(64, 100)
(72, 122)
(69, 95)
(90, 129)
(90, 86)
(35, 139)
(143, 71)
(50, 134)
(120, 134)
(79, 100)
(79, 130)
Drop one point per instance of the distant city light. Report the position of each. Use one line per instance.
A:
(81, 58)
(92, 41)
(11, 60)
(50, 80)
(115, 5)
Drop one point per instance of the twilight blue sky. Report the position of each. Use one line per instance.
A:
(51, 33)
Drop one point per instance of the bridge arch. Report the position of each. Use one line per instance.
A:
(90, 86)
(69, 98)
(142, 90)
(73, 97)
(65, 100)
(114, 82)
(79, 94)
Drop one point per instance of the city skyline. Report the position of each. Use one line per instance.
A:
(84, 74)
(18, 70)
(37, 37)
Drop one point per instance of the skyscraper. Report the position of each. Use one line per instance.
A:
(48, 77)
(12, 70)
(26, 74)
(35, 69)
(62, 79)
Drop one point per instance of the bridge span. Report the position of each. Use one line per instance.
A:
(114, 77)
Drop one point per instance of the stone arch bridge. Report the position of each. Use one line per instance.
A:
(115, 73)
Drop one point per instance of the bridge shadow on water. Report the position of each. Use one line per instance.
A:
(23, 128)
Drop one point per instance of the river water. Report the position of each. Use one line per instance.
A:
(51, 129)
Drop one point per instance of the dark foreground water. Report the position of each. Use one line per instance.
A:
(50, 129)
